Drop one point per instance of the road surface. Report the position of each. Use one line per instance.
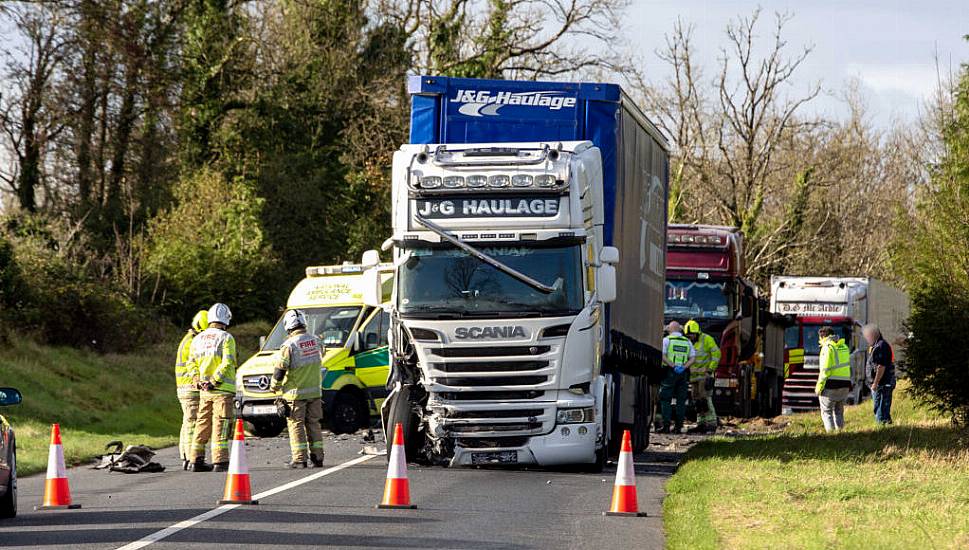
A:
(334, 506)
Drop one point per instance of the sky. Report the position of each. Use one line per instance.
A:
(889, 47)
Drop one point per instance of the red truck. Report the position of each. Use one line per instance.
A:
(705, 281)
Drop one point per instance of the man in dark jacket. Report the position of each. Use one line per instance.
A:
(880, 373)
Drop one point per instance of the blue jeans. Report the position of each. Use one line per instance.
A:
(882, 401)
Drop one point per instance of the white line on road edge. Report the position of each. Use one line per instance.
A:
(216, 512)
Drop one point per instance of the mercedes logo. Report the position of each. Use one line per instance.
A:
(264, 383)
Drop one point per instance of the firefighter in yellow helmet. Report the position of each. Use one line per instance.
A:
(701, 375)
(186, 380)
(298, 380)
(213, 355)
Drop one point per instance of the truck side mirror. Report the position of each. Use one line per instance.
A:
(356, 343)
(262, 342)
(372, 290)
(609, 255)
(607, 283)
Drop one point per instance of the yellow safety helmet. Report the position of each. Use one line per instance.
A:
(201, 321)
(691, 327)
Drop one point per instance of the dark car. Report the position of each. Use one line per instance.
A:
(8, 457)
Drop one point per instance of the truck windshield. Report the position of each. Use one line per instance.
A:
(436, 281)
(332, 325)
(812, 345)
(696, 299)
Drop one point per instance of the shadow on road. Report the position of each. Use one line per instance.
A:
(163, 518)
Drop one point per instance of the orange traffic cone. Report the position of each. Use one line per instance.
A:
(237, 488)
(624, 501)
(397, 488)
(57, 493)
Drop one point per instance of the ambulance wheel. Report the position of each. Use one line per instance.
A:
(266, 428)
(350, 413)
(8, 502)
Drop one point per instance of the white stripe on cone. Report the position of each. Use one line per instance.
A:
(237, 459)
(55, 462)
(397, 469)
(624, 473)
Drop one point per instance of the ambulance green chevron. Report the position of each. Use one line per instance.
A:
(355, 358)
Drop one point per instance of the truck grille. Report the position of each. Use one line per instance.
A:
(494, 381)
(490, 351)
(490, 395)
(493, 366)
(496, 414)
(496, 428)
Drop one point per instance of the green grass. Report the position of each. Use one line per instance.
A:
(95, 398)
(903, 486)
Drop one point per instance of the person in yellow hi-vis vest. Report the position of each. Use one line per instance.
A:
(298, 379)
(701, 376)
(213, 355)
(834, 379)
(186, 380)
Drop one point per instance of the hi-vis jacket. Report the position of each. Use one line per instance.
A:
(300, 357)
(185, 374)
(834, 365)
(213, 355)
(707, 357)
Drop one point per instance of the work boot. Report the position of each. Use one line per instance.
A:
(199, 466)
(317, 460)
(185, 464)
(295, 465)
(665, 429)
(698, 429)
(678, 428)
(220, 467)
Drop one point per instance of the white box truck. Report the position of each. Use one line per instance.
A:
(844, 303)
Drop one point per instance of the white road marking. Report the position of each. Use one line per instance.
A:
(216, 512)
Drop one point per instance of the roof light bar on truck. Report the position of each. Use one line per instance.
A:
(473, 156)
(474, 252)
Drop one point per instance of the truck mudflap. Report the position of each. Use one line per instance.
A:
(567, 444)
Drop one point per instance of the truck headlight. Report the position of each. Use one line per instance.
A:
(575, 416)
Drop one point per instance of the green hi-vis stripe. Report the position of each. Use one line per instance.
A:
(379, 357)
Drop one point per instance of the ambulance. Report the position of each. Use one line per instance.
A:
(355, 358)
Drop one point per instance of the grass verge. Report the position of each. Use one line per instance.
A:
(95, 398)
(903, 486)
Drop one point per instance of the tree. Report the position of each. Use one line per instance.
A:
(30, 119)
(508, 38)
(210, 247)
(931, 253)
(214, 74)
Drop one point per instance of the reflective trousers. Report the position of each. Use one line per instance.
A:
(305, 430)
(214, 423)
(674, 386)
(703, 401)
(190, 409)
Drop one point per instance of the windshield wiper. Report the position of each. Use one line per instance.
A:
(474, 252)
(428, 310)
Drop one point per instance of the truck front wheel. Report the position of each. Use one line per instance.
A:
(400, 410)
